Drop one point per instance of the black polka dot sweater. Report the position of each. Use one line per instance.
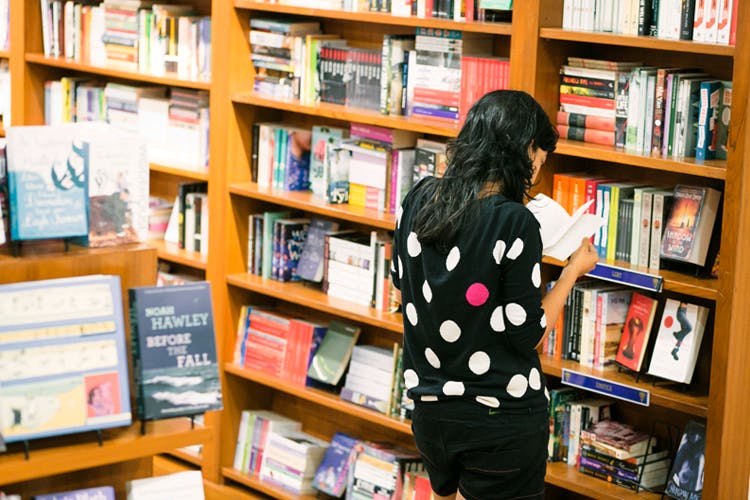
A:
(473, 316)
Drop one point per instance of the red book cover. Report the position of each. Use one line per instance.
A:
(604, 137)
(636, 332)
(733, 24)
(585, 121)
(584, 100)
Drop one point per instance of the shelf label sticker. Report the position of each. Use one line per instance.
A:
(607, 387)
(625, 276)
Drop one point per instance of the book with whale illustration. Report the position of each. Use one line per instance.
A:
(174, 351)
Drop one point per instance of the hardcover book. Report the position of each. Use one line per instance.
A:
(174, 351)
(63, 357)
(678, 341)
(685, 479)
(688, 230)
(636, 332)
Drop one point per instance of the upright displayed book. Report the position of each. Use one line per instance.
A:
(678, 341)
(63, 357)
(636, 332)
(688, 229)
(685, 479)
(174, 351)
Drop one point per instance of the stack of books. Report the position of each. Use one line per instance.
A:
(291, 459)
(370, 379)
(379, 469)
(252, 435)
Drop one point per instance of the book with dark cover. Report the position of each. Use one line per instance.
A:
(690, 225)
(174, 351)
(310, 265)
(685, 479)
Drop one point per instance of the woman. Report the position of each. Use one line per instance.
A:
(467, 262)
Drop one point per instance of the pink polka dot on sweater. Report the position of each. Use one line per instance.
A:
(477, 294)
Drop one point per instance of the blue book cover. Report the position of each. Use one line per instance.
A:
(97, 493)
(310, 265)
(332, 472)
(297, 171)
(174, 350)
(47, 173)
(64, 357)
(293, 235)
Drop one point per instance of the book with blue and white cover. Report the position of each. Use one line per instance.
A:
(174, 351)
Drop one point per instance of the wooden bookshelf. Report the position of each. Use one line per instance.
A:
(82, 451)
(262, 486)
(180, 172)
(566, 476)
(173, 253)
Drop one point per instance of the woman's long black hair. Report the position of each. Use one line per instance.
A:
(493, 145)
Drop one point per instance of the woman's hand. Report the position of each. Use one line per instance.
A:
(584, 259)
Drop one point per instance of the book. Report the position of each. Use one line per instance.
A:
(636, 332)
(174, 351)
(186, 485)
(332, 473)
(310, 265)
(562, 233)
(95, 493)
(618, 439)
(321, 137)
(678, 341)
(690, 224)
(685, 480)
(332, 357)
(64, 357)
(48, 169)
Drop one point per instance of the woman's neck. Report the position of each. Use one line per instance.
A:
(490, 188)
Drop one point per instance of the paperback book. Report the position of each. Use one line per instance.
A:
(685, 479)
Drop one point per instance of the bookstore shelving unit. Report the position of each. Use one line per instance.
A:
(536, 46)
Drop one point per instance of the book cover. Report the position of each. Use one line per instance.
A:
(310, 265)
(186, 485)
(332, 357)
(321, 137)
(685, 480)
(97, 493)
(678, 341)
(636, 332)
(174, 351)
(337, 169)
(48, 167)
(690, 224)
(297, 162)
(292, 238)
(63, 357)
(334, 468)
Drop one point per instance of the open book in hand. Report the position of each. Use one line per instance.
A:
(561, 232)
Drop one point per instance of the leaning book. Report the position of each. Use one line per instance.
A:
(174, 351)
(63, 357)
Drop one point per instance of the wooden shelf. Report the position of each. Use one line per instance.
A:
(216, 491)
(269, 489)
(562, 475)
(644, 42)
(53, 456)
(338, 112)
(319, 397)
(187, 456)
(712, 169)
(170, 80)
(178, 171)
(172, 253)
(305, 200)
(4, 54)
(377, 18)
(306, 296)
(660, 396)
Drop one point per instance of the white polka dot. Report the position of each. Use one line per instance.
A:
(515, 313)
(498, 251)
(411, 379)
(411, 314)
(488, 401)
(535, 380)
(517, 386)
(400, 268)
(399, 213)
(428, 398)
(450, 331)
(546, 393)
(427, 291)
(412, 245)
(479, 362)
(453, 388)
(543, 321)
(453, 257)
(432, 358)
(515, 249)
(497, 322)
(536, 276)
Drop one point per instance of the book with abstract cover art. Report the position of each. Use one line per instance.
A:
(636, 332)
(174, 351)
(678, 341)
(63, 357)
(687, 233)
(333, 470)
(685, 480)
(47, 170)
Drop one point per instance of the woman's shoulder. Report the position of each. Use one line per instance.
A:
(511, 213)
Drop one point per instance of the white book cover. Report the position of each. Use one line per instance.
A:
(561, 232)
(186, 485)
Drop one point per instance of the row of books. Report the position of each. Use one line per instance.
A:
(467, 10)
(668, 112)
(697, 20)
(174, 122)
(646, 226)
(366, 166)
(419, 74)
(143, 36)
